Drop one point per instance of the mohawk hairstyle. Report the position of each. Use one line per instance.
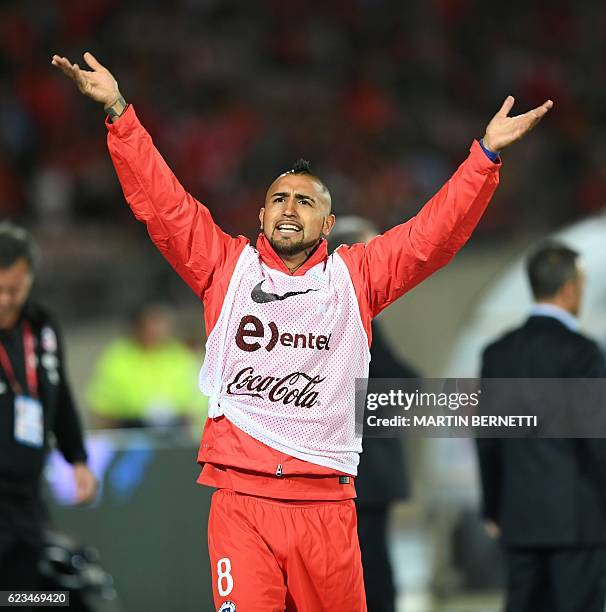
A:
(301, 166)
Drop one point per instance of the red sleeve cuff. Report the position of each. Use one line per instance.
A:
(127, 120)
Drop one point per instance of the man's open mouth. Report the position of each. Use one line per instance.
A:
(288, 229)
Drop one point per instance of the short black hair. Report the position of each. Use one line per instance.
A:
(16, 243)
(550, 267)
(301, 166)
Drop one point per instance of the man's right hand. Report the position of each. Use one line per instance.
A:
(98, 83)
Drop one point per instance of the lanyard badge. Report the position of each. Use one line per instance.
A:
(29, 415)
(29, 421)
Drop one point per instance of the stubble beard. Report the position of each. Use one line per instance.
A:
(288, 248)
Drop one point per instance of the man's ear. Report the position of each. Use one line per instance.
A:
(569, 290)
(261, 215)
(329, 221)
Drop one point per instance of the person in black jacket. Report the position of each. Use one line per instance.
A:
(382, 475)
(36, 406)
(544, 497)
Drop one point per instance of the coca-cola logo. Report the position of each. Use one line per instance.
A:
(252, 327)
(295, 388)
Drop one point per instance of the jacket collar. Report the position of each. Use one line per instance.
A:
(270, 258)
(556, 313)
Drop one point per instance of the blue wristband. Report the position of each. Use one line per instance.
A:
(493, 156)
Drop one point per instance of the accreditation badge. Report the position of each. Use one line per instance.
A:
(29, 421)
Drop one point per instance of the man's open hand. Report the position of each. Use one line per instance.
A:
(503, 130)
(86, 483)
(98, 83)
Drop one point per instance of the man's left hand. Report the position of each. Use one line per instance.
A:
(86, 483)
(492, 529)
(503, 130)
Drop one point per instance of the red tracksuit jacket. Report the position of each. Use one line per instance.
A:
(184, 231)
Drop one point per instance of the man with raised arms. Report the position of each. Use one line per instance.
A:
(280, 444)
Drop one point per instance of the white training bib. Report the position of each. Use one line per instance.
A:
(282, 360)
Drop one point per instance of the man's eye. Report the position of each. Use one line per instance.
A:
(306, 202)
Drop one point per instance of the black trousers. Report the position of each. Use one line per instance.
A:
(19, 566)
(21, 523)
(378, 575)
(556, 579)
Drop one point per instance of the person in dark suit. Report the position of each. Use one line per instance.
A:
(382, 474)
(544, 497)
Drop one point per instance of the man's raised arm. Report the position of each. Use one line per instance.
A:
(393, 263)
(181, 227)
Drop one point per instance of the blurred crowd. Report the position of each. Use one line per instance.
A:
(382, 96)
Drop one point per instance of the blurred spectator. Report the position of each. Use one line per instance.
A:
(52, 189)
(148, 378)
(349, 86)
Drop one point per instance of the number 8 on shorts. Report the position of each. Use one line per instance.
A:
(225, 581)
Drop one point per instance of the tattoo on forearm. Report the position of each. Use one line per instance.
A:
(111, 109)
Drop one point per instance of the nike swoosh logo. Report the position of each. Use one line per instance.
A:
(261, 297)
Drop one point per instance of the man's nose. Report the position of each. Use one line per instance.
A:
(291, 207)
